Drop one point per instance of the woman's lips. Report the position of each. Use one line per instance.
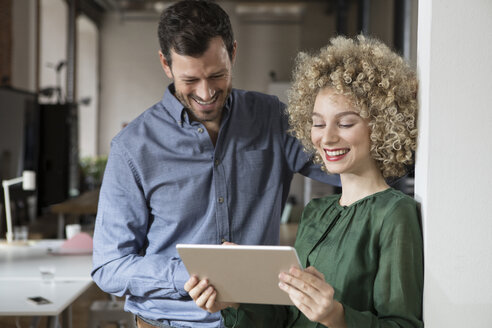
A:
(334, 155)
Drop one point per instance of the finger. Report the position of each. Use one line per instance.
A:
(196, 291)
(301, 300)
(308, 277)
(211, 301)
(300, 280)
(190, 283)
(229, 243)
(315, 272)
(204, 296)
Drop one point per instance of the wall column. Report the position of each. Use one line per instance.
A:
(454, 160)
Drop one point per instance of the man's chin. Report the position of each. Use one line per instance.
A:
(206, 116)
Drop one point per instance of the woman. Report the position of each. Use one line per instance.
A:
(354, 107)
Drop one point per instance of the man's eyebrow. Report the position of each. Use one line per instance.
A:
(185, 76)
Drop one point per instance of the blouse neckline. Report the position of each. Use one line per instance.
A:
(342, 207)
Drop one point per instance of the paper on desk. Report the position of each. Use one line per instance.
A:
(81, 243)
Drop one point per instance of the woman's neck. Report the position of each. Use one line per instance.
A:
(356, 187)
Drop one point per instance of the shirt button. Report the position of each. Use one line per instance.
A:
(216, 162)
(221, 200)
(200, 130)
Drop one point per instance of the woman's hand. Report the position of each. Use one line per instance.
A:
(313, 296)
(204, 295)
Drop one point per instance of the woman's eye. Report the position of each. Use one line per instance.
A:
(318, 125)
(348, 125)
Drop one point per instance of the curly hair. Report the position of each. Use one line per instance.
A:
(382, 87)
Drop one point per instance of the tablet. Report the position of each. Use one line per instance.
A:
(241, 274)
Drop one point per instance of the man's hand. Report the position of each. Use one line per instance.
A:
(205, 294)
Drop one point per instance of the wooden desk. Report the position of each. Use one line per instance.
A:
(84, 204)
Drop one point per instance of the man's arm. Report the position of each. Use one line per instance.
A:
(120, 266)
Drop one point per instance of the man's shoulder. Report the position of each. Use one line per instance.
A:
(254, 96)
(144, 123)
(257, 104)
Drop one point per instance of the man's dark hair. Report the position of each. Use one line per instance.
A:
(188, 26)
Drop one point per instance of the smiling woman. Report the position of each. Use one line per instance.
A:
(379, 84)
(352, 105)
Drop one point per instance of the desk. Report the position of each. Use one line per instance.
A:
(20, 278)
(84, 204)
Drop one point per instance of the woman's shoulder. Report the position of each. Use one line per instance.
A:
(323, 202)
(396, 208)
(393, 197)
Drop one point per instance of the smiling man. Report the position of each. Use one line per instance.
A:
(205, 165)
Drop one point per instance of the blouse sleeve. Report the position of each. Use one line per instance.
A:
(398, 285)
(256, 315)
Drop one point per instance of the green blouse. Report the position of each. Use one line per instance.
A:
(370, 252)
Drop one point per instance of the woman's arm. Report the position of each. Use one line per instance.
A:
(398, 285)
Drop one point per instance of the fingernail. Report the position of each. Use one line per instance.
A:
(281, 284)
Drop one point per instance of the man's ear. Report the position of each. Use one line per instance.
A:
(234, 51)
(165, 65)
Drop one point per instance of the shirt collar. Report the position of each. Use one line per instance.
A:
(177, 110)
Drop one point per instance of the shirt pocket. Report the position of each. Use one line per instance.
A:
(256, 176)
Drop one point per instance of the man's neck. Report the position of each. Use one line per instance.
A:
(213, 130)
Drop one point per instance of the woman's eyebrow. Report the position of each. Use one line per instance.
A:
(346, 113)
(338, 115)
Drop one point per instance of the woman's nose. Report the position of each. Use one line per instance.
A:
(330, 135)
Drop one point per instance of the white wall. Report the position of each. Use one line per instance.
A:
(24, 44)
(131, 76)
(53, 42)
(453, 169)
(87, 85)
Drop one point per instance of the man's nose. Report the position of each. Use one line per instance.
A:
(205, 91)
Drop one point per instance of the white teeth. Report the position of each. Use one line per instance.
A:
(206, 102)
(336, 152)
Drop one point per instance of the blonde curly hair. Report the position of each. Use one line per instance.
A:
(382, 87)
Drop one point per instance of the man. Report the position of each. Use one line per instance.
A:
(206, 164)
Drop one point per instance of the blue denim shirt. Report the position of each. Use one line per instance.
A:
(165, 183)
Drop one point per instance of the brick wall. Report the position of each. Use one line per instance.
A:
(5, 42)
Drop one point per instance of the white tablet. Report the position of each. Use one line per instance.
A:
(241, 274)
